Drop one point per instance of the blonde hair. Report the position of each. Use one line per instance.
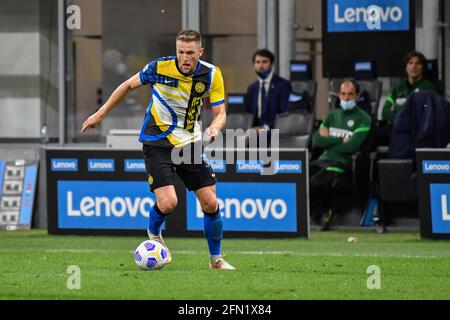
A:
(189, 35)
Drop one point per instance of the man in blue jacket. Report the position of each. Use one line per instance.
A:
(422, 122)
(269, 95)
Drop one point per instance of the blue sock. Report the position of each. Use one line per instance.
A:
(213, 230)
(155, 220)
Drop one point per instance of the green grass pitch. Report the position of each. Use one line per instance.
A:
(34, 265)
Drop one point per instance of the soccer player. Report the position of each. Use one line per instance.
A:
(179, 85)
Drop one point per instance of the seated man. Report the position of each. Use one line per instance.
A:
(423, 122)
(268, 95)
(340, 135)
(415, 81)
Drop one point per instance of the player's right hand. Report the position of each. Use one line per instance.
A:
(92, 121)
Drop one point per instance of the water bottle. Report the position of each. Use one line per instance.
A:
(44, 136)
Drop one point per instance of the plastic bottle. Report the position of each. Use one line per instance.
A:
(44, 136)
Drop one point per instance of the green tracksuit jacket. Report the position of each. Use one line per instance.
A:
(355, 123)
(398, 95)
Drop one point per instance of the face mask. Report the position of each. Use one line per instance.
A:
(348, 105)
(264, 74)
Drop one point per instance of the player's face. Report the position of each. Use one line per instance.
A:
(347, 92)
(188, 54)
(414, 68)
(262, 64)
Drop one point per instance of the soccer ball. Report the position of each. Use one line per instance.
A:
(150, 255)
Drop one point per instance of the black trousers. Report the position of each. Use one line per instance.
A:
(327, 189)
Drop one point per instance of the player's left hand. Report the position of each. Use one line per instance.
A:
(212, 133)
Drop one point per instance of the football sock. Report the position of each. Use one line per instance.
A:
(213, 230)
(155, 220)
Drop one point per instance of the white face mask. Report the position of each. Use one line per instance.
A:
(348, 105)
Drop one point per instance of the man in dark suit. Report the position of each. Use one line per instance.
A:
(268, 95)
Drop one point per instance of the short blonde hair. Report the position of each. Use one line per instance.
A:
(189, 35)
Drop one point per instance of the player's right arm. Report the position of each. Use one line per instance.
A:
(118, 94)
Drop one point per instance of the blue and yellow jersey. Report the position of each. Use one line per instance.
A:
(177, 99)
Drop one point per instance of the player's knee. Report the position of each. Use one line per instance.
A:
(167, 203)
(209, 205)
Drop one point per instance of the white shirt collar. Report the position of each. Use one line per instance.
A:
(268, 79)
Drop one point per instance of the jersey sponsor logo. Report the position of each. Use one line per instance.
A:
(103, 204)
(436, 167)
(250, 206)
(64, 165)
(367, 15)
(439, 202)
(339, 133)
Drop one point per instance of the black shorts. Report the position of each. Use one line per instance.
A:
(161, 169)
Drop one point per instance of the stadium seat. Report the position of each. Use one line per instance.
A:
(392, 187)
(307, 89)
(361, 169)
(395, 180)
(374, 89)
(295, 129)
(369, 89)
(239, 121)
(236, 103)
(242, 121)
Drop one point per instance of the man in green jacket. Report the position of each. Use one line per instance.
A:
(340, 136)
(415, 81)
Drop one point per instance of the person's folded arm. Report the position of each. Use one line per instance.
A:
(354, 142)
(324, 142)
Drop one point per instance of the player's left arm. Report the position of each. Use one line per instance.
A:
(217, 98)
(220, 118)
